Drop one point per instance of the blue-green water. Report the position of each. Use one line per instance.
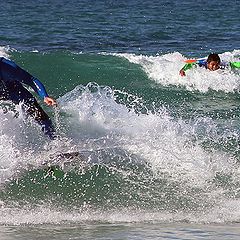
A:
(159, 153)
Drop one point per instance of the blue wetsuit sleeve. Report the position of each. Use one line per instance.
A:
(202, 62)
(12, 72)
(39, 88)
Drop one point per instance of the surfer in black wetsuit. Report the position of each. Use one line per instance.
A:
(11, 88)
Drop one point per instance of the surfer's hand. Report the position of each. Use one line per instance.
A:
(50, 101)
(182, 73)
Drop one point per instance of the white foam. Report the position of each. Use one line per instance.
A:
(4, 52)
(224, 213)
(165, 69)
(169, 146)
(164, 143)
(19, 145)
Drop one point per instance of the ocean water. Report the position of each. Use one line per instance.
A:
(159, 153)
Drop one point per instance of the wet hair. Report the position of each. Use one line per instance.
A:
(213, 57)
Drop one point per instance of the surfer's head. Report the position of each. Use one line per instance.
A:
(213, 62)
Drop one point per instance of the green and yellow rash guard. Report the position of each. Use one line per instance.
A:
(203, 63)
(188, 66)
(234, 64)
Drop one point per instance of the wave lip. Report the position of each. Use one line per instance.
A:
(139, 162)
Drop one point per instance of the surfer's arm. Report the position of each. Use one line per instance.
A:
(14, 72)
(235, 65)
(39, 88)
(41, 91)
(186, 67)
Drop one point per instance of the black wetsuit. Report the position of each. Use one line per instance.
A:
(11, 88)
